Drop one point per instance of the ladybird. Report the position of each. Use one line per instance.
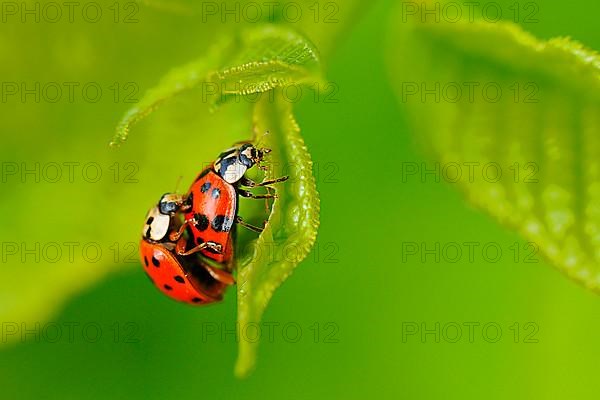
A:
(184, 279)
(211, 205)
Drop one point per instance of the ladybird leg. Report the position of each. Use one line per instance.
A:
(253, 228)
(247, 194)
(186, 203)
(250, 183)
(185, 206)
(274, 181)
(180, 245)
(220, 275)
(245, 181)
(206, 245)
(176, 235)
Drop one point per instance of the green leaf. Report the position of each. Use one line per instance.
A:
(177, 81)
(268, 58)
(542, 132)
(292, 224)
(258, 60)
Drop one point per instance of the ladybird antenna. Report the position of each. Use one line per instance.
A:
(262, 137)
(177, 183)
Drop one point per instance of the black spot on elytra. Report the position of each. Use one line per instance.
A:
(155, 262)
(179, 279)
(201, 222)
(196, 300)
(199, 240)
(146, 261)
(216, 193)
(167, 287)
(204, 188)
(222, 223)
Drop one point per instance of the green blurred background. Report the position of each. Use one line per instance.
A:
(363, 289)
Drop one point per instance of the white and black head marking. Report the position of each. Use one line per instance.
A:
(249, 155)
(233, 163)
(157, 225)
(158, 219)
(170, 203)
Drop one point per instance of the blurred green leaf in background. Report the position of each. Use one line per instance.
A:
(526, 112)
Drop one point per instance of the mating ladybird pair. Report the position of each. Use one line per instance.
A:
(183, 234)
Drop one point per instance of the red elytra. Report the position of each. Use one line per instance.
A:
(212, 215)
(166, 272)
(211, 204)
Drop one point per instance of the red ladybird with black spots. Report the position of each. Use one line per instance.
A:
(185, 279)
(211, 206)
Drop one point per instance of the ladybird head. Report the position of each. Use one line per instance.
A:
(250, 155)
(170, 203)
(158, 219)
(233, 163)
